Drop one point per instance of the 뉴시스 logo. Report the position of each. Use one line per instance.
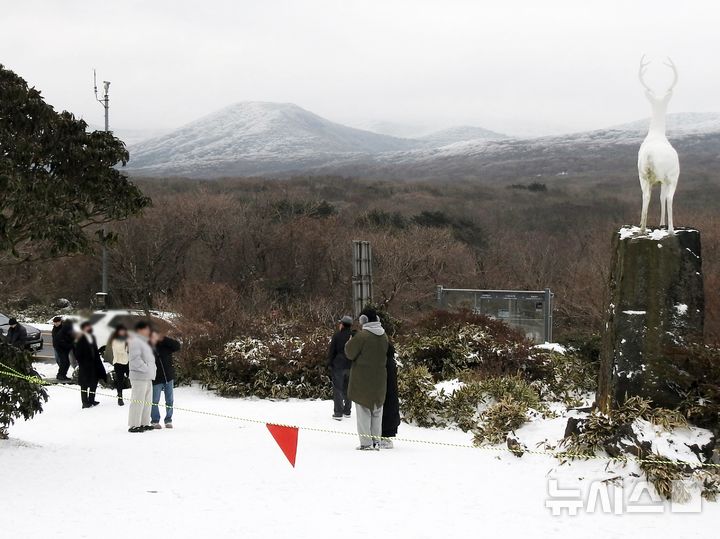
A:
(632, 496)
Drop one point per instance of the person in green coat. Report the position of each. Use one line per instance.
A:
(367, 351)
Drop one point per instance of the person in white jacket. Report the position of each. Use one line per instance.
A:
(142, 373)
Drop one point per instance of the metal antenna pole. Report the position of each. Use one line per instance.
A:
(105, 102)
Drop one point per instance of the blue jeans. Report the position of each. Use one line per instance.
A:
(166, 388)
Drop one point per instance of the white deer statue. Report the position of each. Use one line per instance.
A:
(657, 159)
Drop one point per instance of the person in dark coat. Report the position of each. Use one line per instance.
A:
(368, 377)
(90, 365)
(62, 341)
(339, 366)
(17, 334)
(391, 408)
(164, 348)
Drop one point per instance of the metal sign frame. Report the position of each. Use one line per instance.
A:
(546, 296)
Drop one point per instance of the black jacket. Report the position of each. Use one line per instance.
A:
(336, 353)
(164, 360)
(90, 363)
(62, 336)
(391, 408)
(16, 336)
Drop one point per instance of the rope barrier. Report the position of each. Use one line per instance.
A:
(561, 455)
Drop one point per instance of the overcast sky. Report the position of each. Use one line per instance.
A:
(510, 65)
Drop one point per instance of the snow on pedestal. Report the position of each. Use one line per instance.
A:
(656, 305)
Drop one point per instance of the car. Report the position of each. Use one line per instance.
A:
(105, 322)
(33, 341)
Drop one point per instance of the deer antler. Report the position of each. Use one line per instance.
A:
(641, 73)
(671, 65)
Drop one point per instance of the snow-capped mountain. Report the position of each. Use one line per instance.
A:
(258, 138)
(461, 133)
(680, 123)
(253, 138)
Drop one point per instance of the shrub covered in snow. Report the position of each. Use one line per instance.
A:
(449, 343)
(279, 365)
(499, 420)
(630, 429)
(504, 378)
(565, 377)
(490, 408)
(418, 399)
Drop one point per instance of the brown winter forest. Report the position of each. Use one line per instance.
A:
(256, 246)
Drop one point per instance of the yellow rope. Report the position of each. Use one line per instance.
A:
(555, 454)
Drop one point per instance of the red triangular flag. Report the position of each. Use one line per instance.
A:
(286, 438)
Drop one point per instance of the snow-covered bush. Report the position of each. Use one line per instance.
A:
(491, 408)
(451, 343)
(419, 402)
(500, 419)
(278, 365)
(614, 432)
(504, 378)
(565, 377)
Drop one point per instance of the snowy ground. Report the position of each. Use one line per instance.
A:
(79, 473)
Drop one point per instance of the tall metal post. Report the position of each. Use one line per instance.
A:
(548, 305)
(105, 102)
(362, 276)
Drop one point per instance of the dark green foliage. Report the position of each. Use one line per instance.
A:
(18, 398)
(561, 377)
(534, 187)
(57, 180)
(418, 403)
(499, 420)
(464, 230)
(613, 432)
(433, 219)
(278, 365)
(448, 343)
(701, 396)
(513, 388)
(666, 477)
(286, 209)
(461, 408)
(383, 220)
(508, 399)
(584, 344)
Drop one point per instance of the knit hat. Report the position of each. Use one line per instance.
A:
(346, 320)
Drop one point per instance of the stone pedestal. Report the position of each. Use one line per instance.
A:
(656, 305)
